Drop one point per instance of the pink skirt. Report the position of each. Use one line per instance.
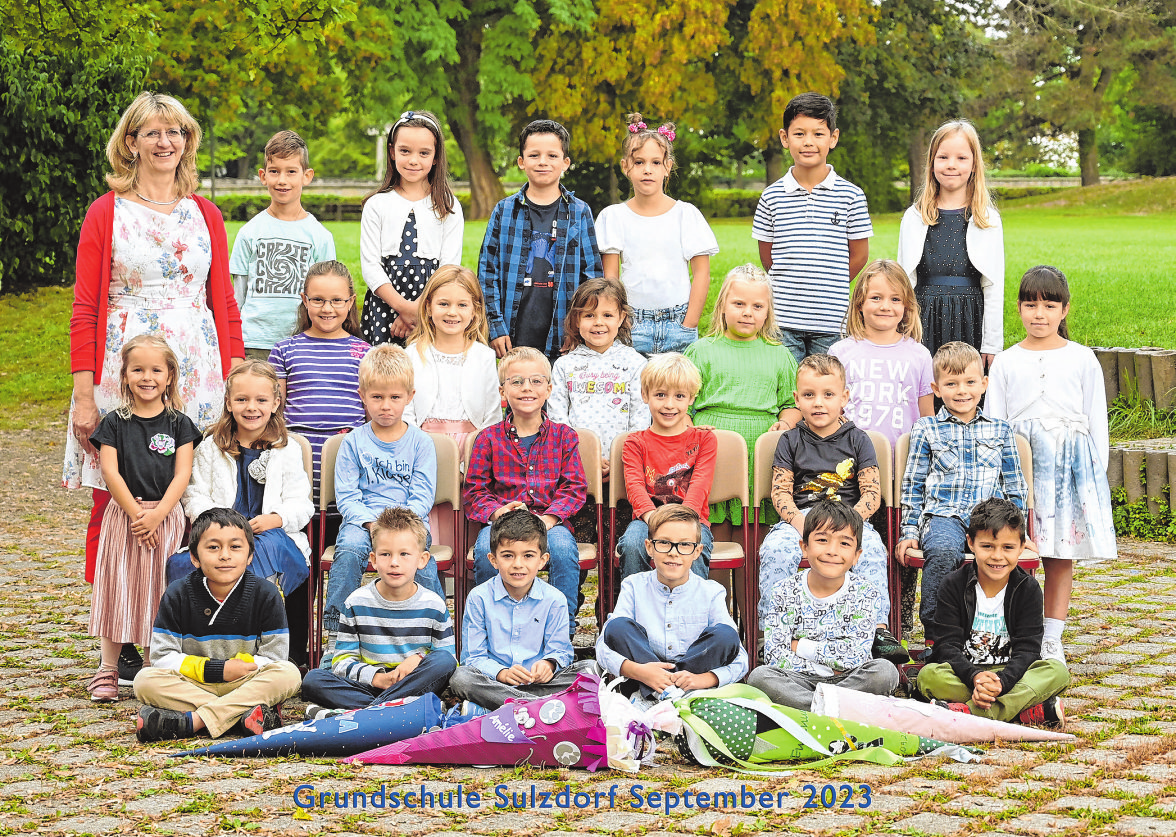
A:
(128, 577)
(441, 520)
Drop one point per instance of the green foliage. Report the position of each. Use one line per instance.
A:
(324, 207)
(56, 114)
(1130, 416)
(1135, 521)
(1008, 193)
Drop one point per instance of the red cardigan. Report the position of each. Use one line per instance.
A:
(87, 326)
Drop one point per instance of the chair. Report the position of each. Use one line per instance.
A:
(731, 483)
(610, 561)
(448, 490)
(1029, 561)
(449, 493)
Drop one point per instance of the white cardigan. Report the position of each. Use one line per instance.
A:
(381, 226)
(286, 491)
(985, 251)
(479, 388)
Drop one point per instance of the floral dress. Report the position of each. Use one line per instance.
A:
(158, 280)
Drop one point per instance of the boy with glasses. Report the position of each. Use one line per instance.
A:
(527, 461)
(671, 630)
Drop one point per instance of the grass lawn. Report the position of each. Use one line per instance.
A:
(1114, 242)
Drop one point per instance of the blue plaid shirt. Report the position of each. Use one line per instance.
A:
(502, 264)
(953, 466)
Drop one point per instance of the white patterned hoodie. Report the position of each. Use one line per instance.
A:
(599, 392)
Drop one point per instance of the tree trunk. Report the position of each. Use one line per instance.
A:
(917, 160)
(462, 100)
(1088, 156)
(773, 163)
(614, 187)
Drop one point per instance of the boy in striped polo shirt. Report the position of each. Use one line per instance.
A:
(395, 637)
(813, 229)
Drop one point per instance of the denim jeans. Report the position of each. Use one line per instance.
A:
(634, 558)
(657, 330)
(944, 541)
(563, 567)
(805, 343)
(352, 548)
(326, 688)
(715, 647)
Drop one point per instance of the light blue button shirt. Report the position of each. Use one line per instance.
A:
(673, 619)
(498, 632)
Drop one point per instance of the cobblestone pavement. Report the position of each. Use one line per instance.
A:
(71, 767)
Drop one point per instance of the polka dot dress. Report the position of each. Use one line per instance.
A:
(408, 274)
(949, 312)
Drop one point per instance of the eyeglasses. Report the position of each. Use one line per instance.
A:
(518, 381)
(666, 547)
(319, 302)
(173, 135)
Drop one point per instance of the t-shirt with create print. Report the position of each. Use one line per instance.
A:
(274, 257)
(146, 449)
(825, 467)
(989, 644)
(885, 383)
(532, 321)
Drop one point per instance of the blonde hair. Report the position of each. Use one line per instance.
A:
(521, 354)
(331, 267)
(587, 298)
(671, 370)
(673, 513)
(954, 358)
(172, 401)
(979, 199)
(126, 165)
(224, 432)
(424, 333)
(822, 365)
(752, 275)
(855, 322)
(386, 364)
(398, 519)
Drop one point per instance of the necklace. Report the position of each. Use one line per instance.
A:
(157, 203)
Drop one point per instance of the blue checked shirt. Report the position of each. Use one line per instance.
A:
(503, 261)
(497, 632)
(953, 466)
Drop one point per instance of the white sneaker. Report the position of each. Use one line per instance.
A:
(1051, 649)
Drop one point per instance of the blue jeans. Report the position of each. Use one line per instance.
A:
(352, 548)
(779, 558)
(943, 542)
(634, 558)
(717, 646)
(805, 343)
(324, 687)
(563, 567)
(657, 330)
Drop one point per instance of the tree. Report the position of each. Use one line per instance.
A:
(1065, 54)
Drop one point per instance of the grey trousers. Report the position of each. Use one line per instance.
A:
(795, 688)
(468, 683)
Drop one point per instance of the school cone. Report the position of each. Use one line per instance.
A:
(339, 735)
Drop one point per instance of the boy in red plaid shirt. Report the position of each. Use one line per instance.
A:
(528, 462)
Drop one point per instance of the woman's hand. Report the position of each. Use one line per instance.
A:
(85, 419)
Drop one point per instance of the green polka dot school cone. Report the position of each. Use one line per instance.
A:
(739, 726)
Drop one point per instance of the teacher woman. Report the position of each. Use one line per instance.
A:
(152, 257)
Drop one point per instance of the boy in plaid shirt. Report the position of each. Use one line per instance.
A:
(957, 459)
(540, 244)
(528, 462)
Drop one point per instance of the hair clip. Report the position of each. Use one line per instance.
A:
(667, 132)
(637, 126)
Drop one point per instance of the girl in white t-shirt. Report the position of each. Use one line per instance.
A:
(660, 247)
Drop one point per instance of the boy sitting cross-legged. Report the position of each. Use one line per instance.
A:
(671, 630)
(988, 627)
(515, 628)
(395, 636)
(671, 462)
(820, 622)
(826, 456)
(219, 644)
(528, 462)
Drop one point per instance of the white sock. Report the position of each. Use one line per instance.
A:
(1053, 630)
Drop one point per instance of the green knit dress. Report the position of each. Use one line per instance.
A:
(745, 385)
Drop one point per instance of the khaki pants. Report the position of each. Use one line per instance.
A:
(219, 705)
(1041, 681)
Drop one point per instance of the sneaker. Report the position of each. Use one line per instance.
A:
(1051, 649)
(887, 647)
(473, 710)
(1050, 714)
(103, 686)
(671, 693)
(962, 708)
(642, 703)
(154, 724)
(314, 712)
(130, 663)
(259, 719)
